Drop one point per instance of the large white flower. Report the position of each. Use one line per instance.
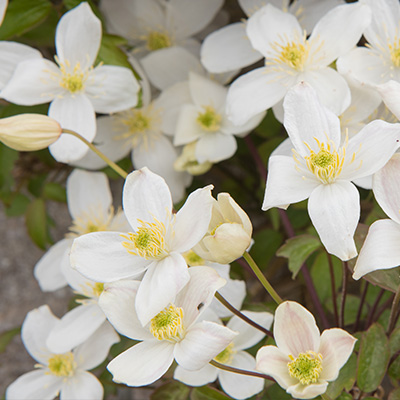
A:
(60, 374)
(75, 89)
(155, 244)
(322, 168)
(172, 334)
(304, 361)
(291, 58)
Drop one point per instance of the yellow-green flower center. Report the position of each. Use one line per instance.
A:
(168, 324)
(209, 120)
(158, 40)
(192, 259)
(294, 55)
(226, 355)
(73, 79)
(98, 288)
(138, 122)
(395, 52)
(62, 364)
(322, 159)
(307, 367)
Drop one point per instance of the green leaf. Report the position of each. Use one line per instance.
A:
(171, 391)
(394, 342)
(266, 243)
(345, 396)
(394, 370)
(346, 378)
(394, 394)
(54, 191)
(17, 205)
(7, 161)
(22, 15)
(110, 53)
(269, 126)
(6, 337)
(36, 222)
(297, 250)
(207, 393)
(275, 392)
(373, 358)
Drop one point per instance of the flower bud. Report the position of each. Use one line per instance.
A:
(29, 132)
(229, 232)
(187, 161)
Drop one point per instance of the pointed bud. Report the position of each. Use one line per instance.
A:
(29, 132)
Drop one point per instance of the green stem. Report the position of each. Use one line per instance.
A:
(240, 371)
(112, 164)
(325, 396)
(393, 312)
(261, 277)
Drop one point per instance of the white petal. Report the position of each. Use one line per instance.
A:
(143, 363)
(215, 147)
(202, 343)
(228, 49)
(145, 196)
(300, 391)
(380, 250)
(34, 385)
(199, 377)
(334, 210)
(206, 92)
(48, 271)
(113, 89)
(234, 292)
(78, 36)
(74, 328)
(187, 127)
(251, 6)
(75, 113)
(390, 95)
(242, 130)
(82, 385)
(192, 219)
(162, 281)
(88, 191)
(100, 256)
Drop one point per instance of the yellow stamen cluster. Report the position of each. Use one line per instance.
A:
(192, 259)
(158, 40)
(168, 324)
(226, 355)
(148, 241)
(62, 364)
(209, 120)
(394, 50)
(73, 79)
(89, 289)
(307, 367)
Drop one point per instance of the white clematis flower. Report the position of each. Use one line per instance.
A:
(172, 334)
(75, 89)
(60, 374)
(155, 244)
(381, 247)
(291, 58)
(303, 362)
(322, 168)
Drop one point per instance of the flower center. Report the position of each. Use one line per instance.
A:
(62, 364)
(306, 367)
(209, 120)
(73, 79)
(148, 241)
(168, 324)
(192, 259)
(294, 55)
(395, 52)
(158, 40)
(225, 357)
(92, 290)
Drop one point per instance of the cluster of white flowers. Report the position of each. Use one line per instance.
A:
(149, 272)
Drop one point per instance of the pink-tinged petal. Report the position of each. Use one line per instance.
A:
(82, 385)
(206, 92)
(75, 327)
(201, 344)
(336, 348)
(228, 49)
(380, 250)
(187, 127)
(34, 385)
(192, 219)
(161, 283)
(95, 350)
(146, 196)
(143, 363)
(78, 36)
(200, 377)
(241, 386)
(113, 89)
(386, 187)
(273, 362)
(390, 96)
(255, 92)
(269, 26)
(200, 290)
(306, 119)
(75, 113)
(48, 269)
(118, 303)
(371, 148)
(215, 147)
(88, 191)
(249, 336)
(100, 256)
(334, 210)
(300, 391)
(295, 329)
(35, 81)
(285, 185)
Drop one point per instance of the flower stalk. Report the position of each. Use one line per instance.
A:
(240, 371)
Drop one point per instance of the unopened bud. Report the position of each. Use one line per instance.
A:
(187, 161)
(29, 132)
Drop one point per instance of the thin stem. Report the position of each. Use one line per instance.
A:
(112, 164)
(344, 293)
(333, 288)
(384, 307)
(374, 307)
(235, 311)
(256, 157)
(261, 277)
(240, 371)
(393, 312)
(286, 223)
(325, 396)
(364, 294)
